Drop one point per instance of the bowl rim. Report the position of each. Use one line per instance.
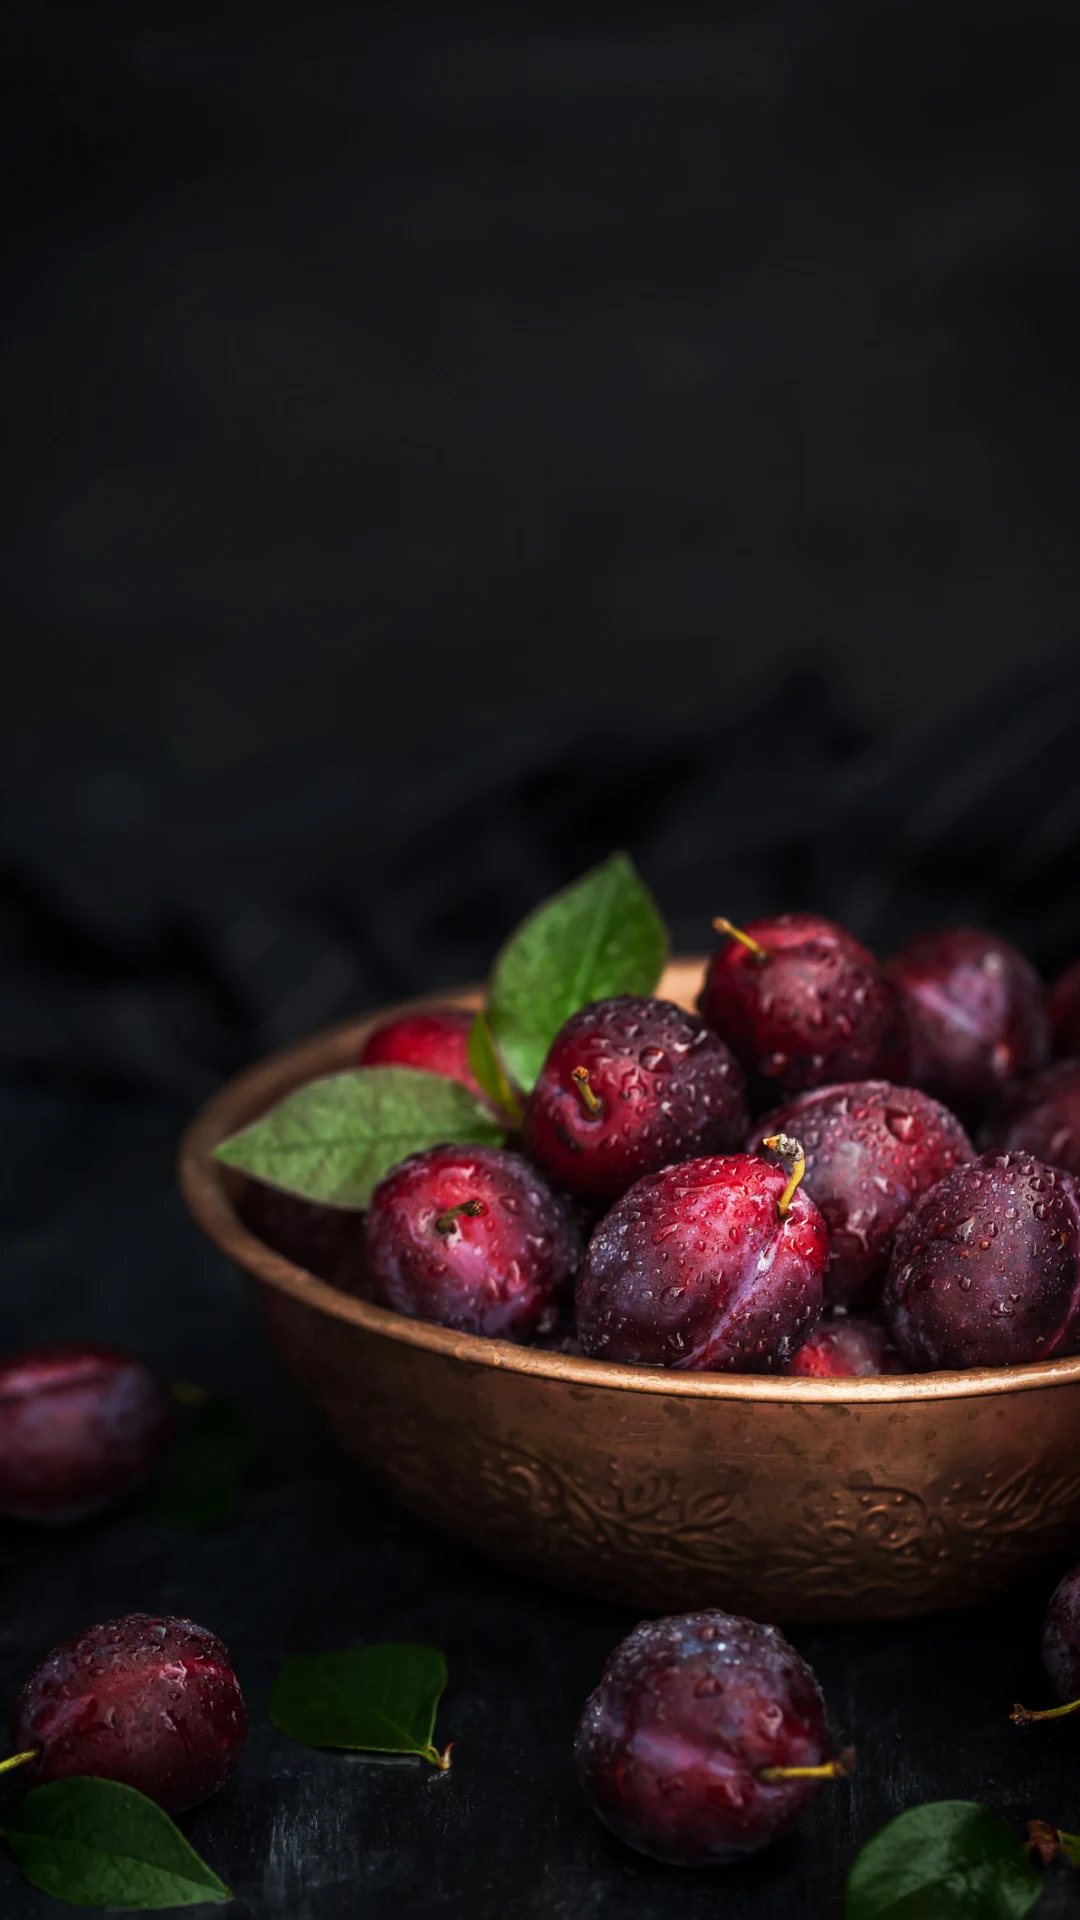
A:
(203, 1186)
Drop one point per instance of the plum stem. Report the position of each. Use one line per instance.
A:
(720, 925)
(437, 1759)
(838, 1769)
(580, 1078)
(18, 1760)
(470, 1208)
(1024, 1716)
(789, 1149)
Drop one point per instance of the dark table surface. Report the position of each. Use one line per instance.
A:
(555, 393)
(95, 1242)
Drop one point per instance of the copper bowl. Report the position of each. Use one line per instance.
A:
(783, 1499)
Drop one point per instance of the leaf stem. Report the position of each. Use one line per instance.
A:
(437, 1759)
(18, 1760)
(1024, 1716)
(720, 925)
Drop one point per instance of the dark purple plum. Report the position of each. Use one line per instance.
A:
(1065, 1012)
(1061, 1637)
(871, 1149)
(985, 1270)
(472, 1238)
(149, 1700)
(683, 1748)
(977, 1013)
(1042, 1116)
(845, 1348)
(80, 1428)
(1060, 1651)
(628, 1087)
(801, 1003)
(435, 1039)
(715, 1264)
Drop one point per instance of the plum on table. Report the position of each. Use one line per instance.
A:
(705, 1740)
(150, 1700)
(81, 1426)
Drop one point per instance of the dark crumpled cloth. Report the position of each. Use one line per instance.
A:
(159, 929)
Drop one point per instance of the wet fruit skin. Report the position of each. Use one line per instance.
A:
(325, 1241)
(667, 1088)
(504, 1272)
(985, 1270)
(844, 1349)
(1061, 1637)
(1065, 1012)
(977, 1013)
(1042, 1116)
(694, 1268)
(688, 1712)
(435, 1039)
(871, 1150)
(80, 1427)
(815, 1009)
(149, 1700)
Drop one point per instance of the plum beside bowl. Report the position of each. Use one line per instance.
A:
(785, 1499)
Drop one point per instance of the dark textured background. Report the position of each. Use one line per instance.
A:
(442, 447)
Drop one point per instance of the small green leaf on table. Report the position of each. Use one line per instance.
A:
(95, 1843)
(332, 1140)
(489, 1070)
(947, 1860)
(379, 1699)
(200, 1480)
(599, 937)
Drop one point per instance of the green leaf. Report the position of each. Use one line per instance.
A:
(199, 1482)
(370, 1699)
(948, 1860)
(489, 1070)
(599, 937)
(95, 1843)
(334, 1139)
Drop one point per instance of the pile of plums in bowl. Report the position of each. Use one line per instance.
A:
(831, 1167)
(749, 1280)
